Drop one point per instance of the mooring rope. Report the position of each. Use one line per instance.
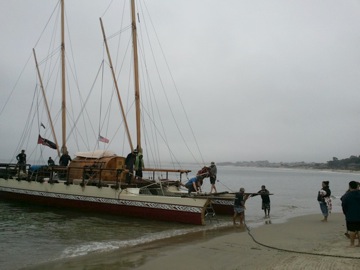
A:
(298, 252)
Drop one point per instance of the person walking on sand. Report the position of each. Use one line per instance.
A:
(213, 173)
(239, 206)
(265, 205)
(351, 208)
(325, 200)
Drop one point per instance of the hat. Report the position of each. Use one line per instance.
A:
(212, 163)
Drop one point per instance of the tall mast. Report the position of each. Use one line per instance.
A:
(63, 82)
(116, 86)
(136, 75)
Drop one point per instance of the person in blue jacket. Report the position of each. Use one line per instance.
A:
(194, 184)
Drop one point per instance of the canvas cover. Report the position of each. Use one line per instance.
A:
(96, 154)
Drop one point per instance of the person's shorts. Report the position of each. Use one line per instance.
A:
(238, 210)
(353, 226)
(212, 180)
(265, 206)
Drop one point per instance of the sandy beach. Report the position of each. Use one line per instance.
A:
(297, 244)
(301, 243)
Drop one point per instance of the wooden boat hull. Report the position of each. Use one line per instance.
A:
(106, 200)
(223, 206)
(222, 203)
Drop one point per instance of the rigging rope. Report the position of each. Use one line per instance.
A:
(225, 185)
(165, 94)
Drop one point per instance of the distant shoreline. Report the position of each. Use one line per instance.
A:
(284, 166)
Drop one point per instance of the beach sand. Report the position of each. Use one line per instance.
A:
(301, 243)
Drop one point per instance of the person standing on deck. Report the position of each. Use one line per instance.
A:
(51, 162)
(213, 173)
(65, 159)
(21, 158)
(129, 165)
(139, 165)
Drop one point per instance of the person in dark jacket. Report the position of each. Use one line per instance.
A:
(129, 165)
(65, 159)
(265, 198)
(325, 200)
(212, 174)
(21, 158)
(351, 209)
(51, 162)
(139, 165)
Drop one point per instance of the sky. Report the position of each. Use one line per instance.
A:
(260, 80)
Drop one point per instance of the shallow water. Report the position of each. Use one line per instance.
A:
(30, 235)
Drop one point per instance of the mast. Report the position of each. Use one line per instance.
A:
(46, 103)
(116, 86)
(136, 75)
(63, 95)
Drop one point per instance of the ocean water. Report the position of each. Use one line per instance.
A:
(32, 235)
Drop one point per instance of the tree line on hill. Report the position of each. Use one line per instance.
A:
(351, 163)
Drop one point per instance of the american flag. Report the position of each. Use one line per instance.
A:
(103, 139)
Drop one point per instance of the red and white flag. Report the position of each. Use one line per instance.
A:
(103, 139)
(46, 142)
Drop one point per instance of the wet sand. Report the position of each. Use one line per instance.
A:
(301, 243)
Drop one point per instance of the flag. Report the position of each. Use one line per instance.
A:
(46, 142)
(103, 139)
(42, 125)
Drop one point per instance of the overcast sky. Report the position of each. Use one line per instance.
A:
(260, 80)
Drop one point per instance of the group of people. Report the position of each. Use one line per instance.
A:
(63, 161)
(350, 203)
(134, 160)
(21, 160)
(194, 184)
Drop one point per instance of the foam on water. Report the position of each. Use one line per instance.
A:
(104, 246)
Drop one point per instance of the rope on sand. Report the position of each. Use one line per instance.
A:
(298, 252)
